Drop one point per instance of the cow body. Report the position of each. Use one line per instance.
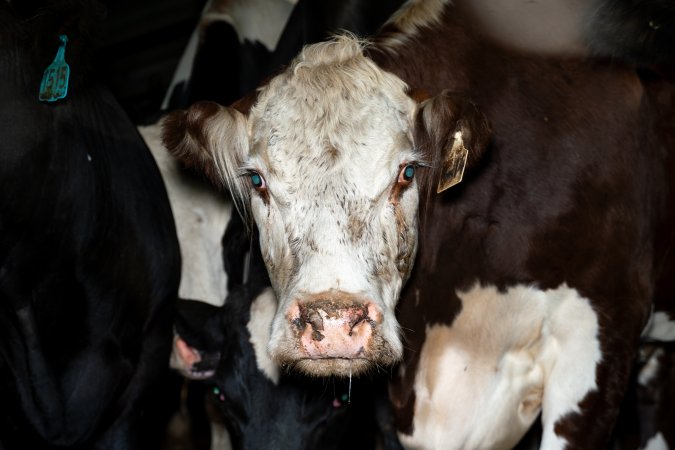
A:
(552, 300)
(89, 262)
(258, 403)
(527, 285)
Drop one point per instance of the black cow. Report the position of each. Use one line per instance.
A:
(89, 259)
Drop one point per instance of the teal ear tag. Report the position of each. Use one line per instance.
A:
(54, 84)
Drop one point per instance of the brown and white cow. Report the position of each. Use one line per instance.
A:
(533, 277)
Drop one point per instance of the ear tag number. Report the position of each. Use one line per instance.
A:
(54, 85)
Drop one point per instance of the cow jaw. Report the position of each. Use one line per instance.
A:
(328, 143)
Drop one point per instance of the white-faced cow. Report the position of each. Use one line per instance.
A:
(89, 260)
(527, 285)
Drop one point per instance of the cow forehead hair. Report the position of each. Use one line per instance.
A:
(324, 84)
(335, 64)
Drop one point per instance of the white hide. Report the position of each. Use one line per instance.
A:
(650, 370)
(201, 215)
(262, 310)
(660, 328)
(657, 442)
(483, 381)
(260, 21)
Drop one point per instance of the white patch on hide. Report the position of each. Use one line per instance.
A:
(260, 21)
(651, 368)
(201, 215)
(263, 309)
(660, 328)
(482, 382)
(657, 442)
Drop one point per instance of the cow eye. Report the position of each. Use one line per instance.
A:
(406, 174)
(257, 181)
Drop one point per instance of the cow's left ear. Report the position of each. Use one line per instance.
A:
(453, 132)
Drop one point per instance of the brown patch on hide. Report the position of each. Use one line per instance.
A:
(244, 104)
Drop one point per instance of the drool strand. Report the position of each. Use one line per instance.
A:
(349, 392)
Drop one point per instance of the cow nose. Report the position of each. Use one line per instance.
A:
(335, 325)
(347, 317)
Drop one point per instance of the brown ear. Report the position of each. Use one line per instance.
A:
(209, 138)
(454, 132)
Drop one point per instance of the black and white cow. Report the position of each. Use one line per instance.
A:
(238, 44)
(89, 260)
(527, 286)
(261, 405)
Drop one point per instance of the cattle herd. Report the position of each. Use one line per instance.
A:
(365, 224)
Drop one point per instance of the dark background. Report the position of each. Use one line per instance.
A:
(140, 46)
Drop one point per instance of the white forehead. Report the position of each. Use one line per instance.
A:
(332, 112)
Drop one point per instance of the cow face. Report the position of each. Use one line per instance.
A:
(327, 164)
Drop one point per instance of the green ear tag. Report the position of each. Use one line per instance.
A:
(54, 84)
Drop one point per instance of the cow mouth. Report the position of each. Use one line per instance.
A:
(339, 367)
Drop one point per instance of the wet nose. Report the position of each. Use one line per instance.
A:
(335, 325)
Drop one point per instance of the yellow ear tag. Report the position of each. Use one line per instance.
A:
(454, 164)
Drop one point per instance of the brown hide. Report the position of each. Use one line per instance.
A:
(572, 190)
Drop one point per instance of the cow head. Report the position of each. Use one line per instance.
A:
(330, 163)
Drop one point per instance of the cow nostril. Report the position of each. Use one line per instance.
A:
(356, 316)
(312, 317)
(299, 323)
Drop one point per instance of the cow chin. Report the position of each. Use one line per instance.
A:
(340, 367)
(380, 356)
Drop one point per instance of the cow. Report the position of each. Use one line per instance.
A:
(236, 45)
(89, 259)
(224, 59)
(521, 199)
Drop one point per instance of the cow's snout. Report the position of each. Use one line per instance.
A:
(334, 325)
(334, 333)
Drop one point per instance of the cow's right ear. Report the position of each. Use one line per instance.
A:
(209, 138)
(454, 133)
